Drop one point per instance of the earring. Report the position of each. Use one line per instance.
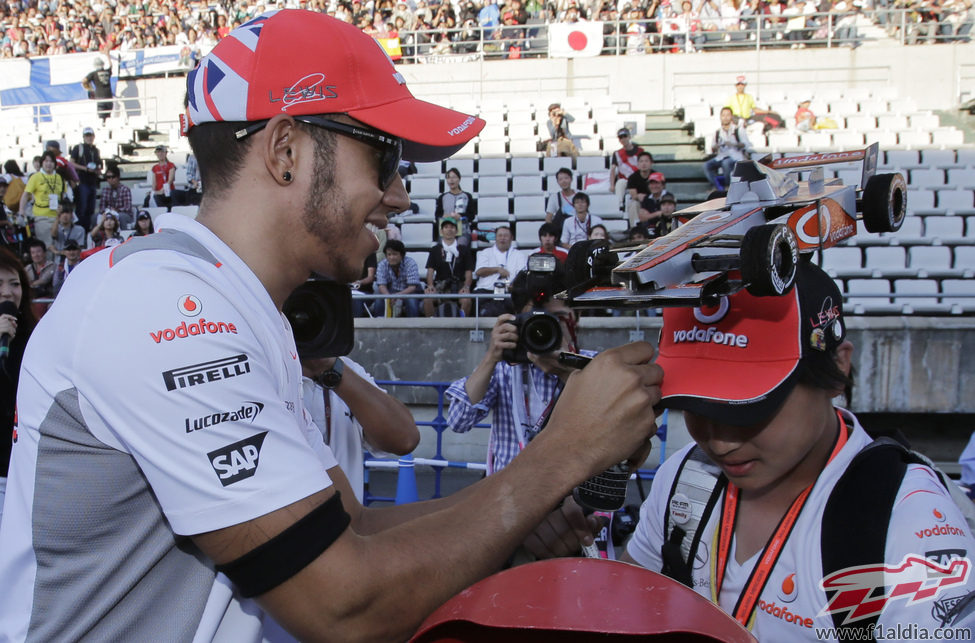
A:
(287, 177)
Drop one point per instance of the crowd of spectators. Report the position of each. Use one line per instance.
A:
(510, 28)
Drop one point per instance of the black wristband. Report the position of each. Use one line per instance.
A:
(272, 563)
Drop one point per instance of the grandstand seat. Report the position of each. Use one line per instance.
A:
(885, 138)
(420, 257)
(957, 201)
(924, 121)
(970, 228)
(947, 136)
(929, 260)
(844, 262)
(863, 297)
(616, 227)
(154, 211)
(916, 304)
(492, 167)
(887, 260)
(492, 185)
(965, 291)
(902, 105)
(186, 210)
(962, 178)
(465, 167)
(605, 205)
(892, 122)
(492, 147)
(783, 140)
(848, 139)
(521, 185)
(843, 107)
(816, 140)
(523, 146)
(429, 169)
(417, 234)
(914, 138)
(920, 200)
(964, 257)
(529, 207)
(907, 159)
(926, 178)
(551, 164)
(873, 106)
(426, 207)
(694, 112)
(525, 165)
(526, 233)
(468, 151)
(590, 163)
(861, 123)
(966, 156)
(425, 186)
(912, 228)
(492, 208)
(944, 227)
(938, 159)
(522, 129)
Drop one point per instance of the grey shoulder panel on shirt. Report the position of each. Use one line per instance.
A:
(166, 239)
(103, 547)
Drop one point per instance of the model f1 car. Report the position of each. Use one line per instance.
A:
(751, 239)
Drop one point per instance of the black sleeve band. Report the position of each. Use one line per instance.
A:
(270, 564)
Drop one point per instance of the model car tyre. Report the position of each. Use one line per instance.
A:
(769, 254)
(884, 203)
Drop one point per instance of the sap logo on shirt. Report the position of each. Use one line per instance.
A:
(218, 369)
(237, 461)
(247, 411)
(943, 557)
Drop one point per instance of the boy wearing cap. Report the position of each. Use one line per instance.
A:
(221, 532)
(755, 378)
(650, 206)
(163, 175)
(66, 229)
(72, 257)
(87, 161)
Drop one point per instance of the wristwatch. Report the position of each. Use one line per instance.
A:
(331, 378)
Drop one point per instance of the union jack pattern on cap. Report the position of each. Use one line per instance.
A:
(298, 62)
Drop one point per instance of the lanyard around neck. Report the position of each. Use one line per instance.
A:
(748, 599)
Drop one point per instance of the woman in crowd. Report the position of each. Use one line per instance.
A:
(18, 325)
(458, 204)
(143, 224)
(106, 229)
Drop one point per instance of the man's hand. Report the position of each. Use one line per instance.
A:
(503, 273)
(563, 532)
(549, 363)
(504, 336)
(605, 414)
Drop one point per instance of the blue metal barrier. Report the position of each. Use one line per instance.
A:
(406, 489)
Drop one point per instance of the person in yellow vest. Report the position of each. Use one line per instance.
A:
(742, 104)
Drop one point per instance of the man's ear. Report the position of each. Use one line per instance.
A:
(844, 357)
(280, 152)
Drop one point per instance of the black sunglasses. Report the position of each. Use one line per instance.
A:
(391, 147)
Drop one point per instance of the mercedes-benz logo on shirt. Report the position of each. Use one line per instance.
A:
(189, 305)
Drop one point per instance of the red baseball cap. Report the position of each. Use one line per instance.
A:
(302, 62)
(736, 362)
(656, 176)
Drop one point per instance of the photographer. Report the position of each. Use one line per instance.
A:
(518, 394)
(450, 269)
(560, 142)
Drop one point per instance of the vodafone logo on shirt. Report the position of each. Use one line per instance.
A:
(202, 327)
(189, 305)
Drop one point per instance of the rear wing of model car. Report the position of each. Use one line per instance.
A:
(868, 155)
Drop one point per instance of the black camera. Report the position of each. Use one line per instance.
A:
(539, 332)
(320, 314)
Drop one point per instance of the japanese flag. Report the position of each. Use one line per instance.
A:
(575, 39)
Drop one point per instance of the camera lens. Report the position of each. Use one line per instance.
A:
(541, 334)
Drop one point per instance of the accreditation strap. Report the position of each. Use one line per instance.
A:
(748, 599)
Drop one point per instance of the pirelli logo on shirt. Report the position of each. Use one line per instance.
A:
(196, 374)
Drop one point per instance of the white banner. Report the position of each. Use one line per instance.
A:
(575, 39)
(155, 60)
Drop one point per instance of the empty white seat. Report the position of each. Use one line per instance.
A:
(523, 146)
(469, 151)
(885, 258)
(863, 296)
(948, 136)
(916, 287)
(527, 165)
(903, 158)
(529, 207)
(892, 121)
(861, 122)
(843, 107)
(902, 105)
(922, 178)
(783, 140)
(492, 167)
(429, 169)
(526, 233)
(604, 205)
(924, 121)
(842, 260)
(966, 156)
(492, 208)
(964, 258)
(491, 147)
(417, 233)
(913, 226)
(552, 164)
(944, 226)
(885, 138)
(525, 129)
(464, 166)
(420, 257)
(425, 207)
(817, 140)
(590, 163)
(956, 200)
(873, 106)
(929, 258)
(961, 178)
(920, 200)
(186, 210)
(424, 186)
(492, 185)
(938, 158)
(914, 138)
(526, 185)
(965, 291)
(848, 139)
